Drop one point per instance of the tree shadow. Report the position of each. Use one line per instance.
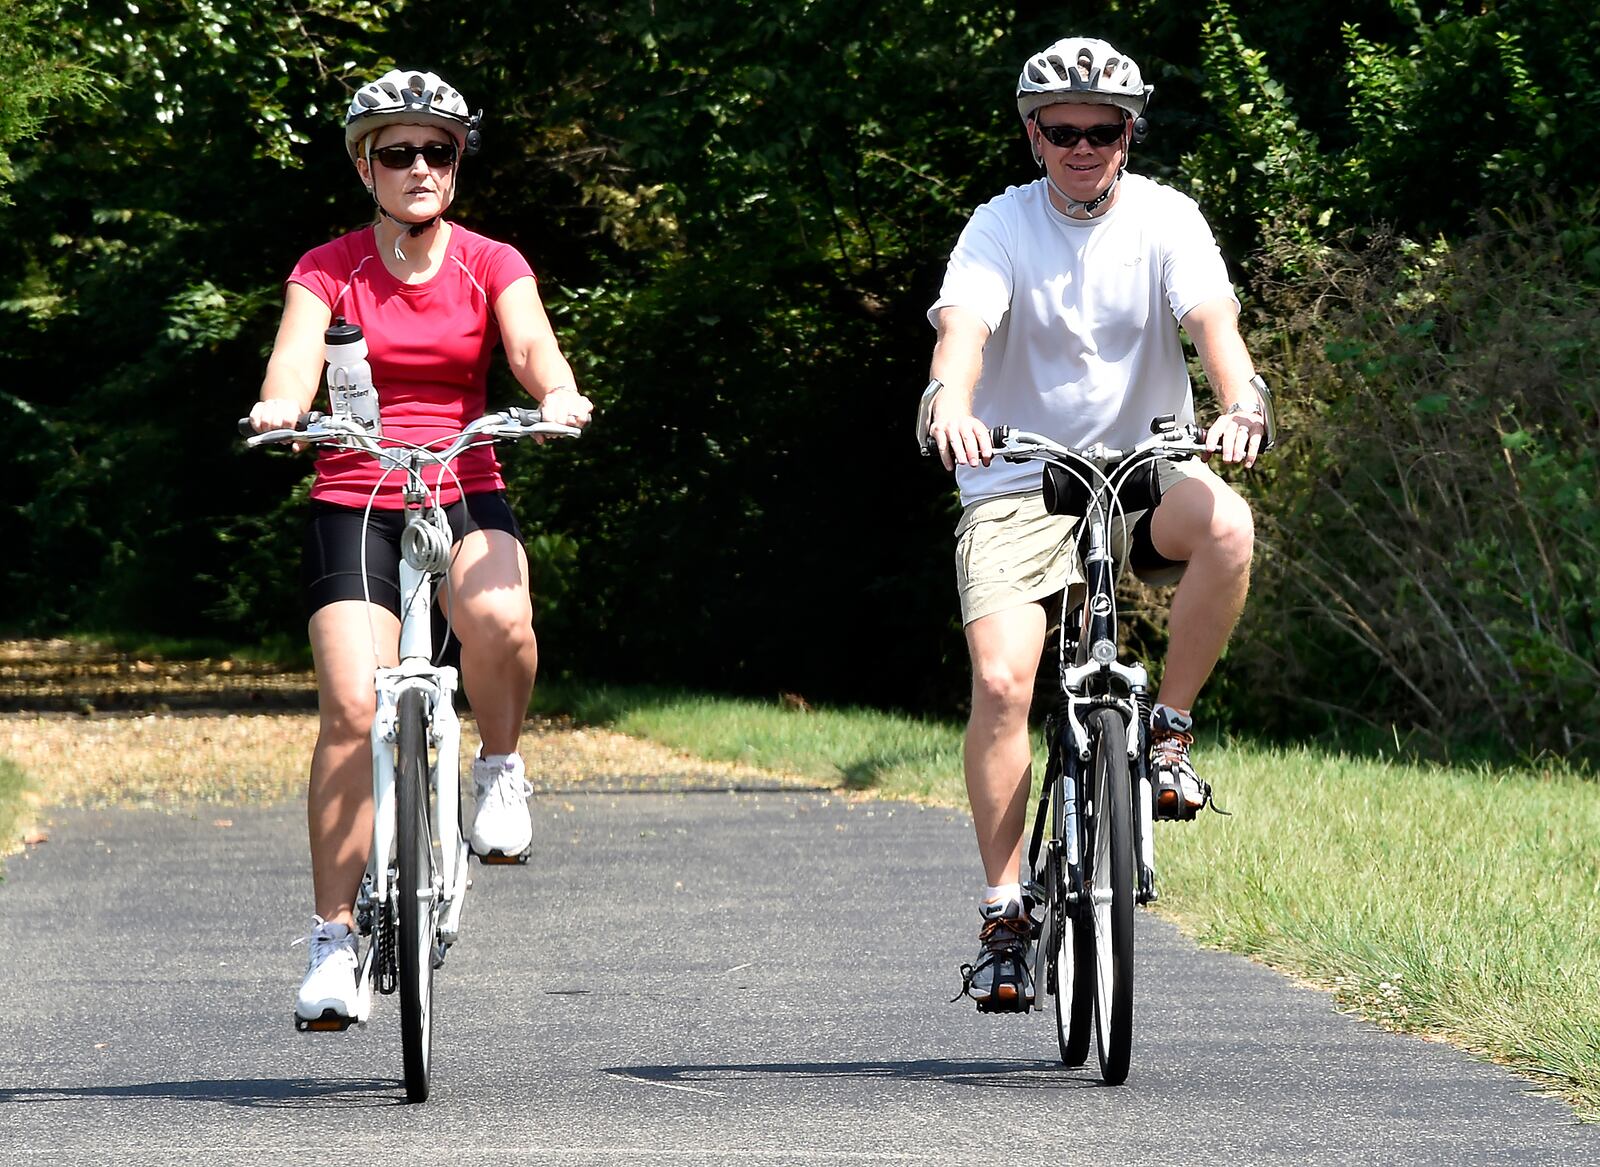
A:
(258, 1094)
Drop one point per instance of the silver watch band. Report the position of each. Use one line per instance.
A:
(1259, 408)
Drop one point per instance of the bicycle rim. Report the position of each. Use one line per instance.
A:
(418, 900)
(1071, 956)
(1110, 880)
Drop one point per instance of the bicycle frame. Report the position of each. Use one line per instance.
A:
(1096, 676)
(437, 683)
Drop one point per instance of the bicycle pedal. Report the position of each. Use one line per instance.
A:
(501, 859)
(329, 1022)
(1000, 1004)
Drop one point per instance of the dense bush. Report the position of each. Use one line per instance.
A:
(1433, 539)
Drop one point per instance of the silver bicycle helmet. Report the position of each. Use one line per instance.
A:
(1083, 70)
(410, 97)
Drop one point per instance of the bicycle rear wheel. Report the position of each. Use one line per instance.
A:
(417, 895)
(1071, 956)
(1111, 886)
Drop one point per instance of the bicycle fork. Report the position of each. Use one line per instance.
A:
(375, 905)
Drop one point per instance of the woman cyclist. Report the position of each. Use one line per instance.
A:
(433, 300)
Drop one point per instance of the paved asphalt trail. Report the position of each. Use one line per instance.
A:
(704, 976)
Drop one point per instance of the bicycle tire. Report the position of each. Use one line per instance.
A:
(1110, 879)
(418, 899)
(1071, 959)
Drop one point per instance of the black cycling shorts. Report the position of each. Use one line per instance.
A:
(330, 558)
(1148, 563)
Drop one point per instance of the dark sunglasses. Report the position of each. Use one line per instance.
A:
(1067, 137)
(438, 155)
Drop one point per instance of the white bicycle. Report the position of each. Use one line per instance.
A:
(409, 905)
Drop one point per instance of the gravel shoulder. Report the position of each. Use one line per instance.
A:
(95, 728)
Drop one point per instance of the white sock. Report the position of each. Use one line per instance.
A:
(1005, 893)
(1181, 719)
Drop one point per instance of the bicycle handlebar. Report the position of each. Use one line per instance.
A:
(1167, 435)
(929, 445)
(318, 429)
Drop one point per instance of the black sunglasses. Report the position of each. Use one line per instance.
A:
(1067, 137)
(438, 155)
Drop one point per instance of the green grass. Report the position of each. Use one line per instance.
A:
(1461, 902)
(859, 749)
(12, 785)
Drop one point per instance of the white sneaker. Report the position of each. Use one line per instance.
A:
(329, 991)
(501, 826)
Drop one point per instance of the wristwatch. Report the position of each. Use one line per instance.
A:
(1259, 408)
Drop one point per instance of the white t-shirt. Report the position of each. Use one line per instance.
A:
(1084, 343)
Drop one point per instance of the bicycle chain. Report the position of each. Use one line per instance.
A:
(386, 970)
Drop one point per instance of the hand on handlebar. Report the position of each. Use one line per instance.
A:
(963, 441)
(564, 405)
(276, 414)
(1237, 437)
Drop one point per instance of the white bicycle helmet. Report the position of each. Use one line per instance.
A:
(410, 97)
(1083, 70)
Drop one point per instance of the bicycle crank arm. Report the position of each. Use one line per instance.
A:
(364, 980)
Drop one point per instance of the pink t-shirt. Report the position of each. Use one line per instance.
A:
(429, 346)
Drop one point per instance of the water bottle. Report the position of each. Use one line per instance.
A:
(351, 394)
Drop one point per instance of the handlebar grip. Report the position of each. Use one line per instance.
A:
(246, 430)
(998, 435)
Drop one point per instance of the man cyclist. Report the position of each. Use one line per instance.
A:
(1060, 314)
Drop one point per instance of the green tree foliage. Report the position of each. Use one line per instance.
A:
(1419, 118)
(738, 213)
(756, 335)
(35, 78)
(152, 229)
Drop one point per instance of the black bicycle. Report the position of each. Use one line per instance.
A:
(1097, 800)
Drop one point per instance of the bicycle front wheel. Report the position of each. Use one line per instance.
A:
(1111, 892)
(1071, 955)
(417, 894)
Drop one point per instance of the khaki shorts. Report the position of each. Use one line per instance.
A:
(1010, 551)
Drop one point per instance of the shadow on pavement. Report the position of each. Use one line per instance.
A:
(1011, 1074)
(265, 1093)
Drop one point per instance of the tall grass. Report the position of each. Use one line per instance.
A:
(12, 785)
(1458, 902)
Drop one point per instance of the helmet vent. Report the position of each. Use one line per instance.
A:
(408, 97)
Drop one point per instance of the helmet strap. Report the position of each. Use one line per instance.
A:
(1075, 206)
(411, 229)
